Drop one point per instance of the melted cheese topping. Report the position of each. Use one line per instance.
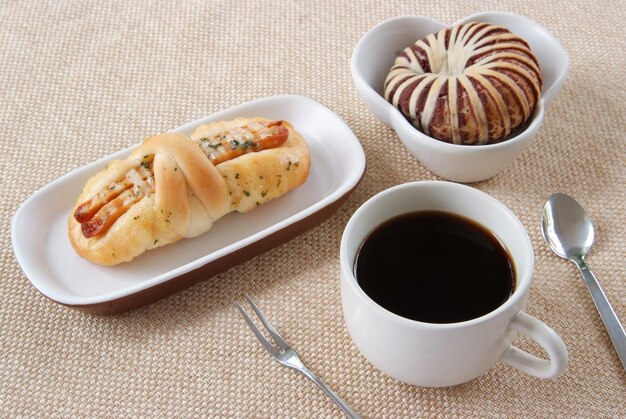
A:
(213, 139)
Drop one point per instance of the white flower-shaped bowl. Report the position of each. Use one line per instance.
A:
(375, 53)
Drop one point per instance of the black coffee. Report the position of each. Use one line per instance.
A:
(435, 267)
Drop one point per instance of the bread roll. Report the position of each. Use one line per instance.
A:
(168, 188)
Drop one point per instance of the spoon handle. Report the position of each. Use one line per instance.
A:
(611, 322)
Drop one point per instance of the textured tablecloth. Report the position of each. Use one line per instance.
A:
(80, 80)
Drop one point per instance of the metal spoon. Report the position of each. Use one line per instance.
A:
(568, 230)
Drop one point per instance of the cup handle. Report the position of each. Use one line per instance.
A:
(547, 339)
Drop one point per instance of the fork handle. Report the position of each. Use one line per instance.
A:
(338, 400)
(611, 322)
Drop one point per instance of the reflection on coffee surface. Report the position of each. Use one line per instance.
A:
(435, 267)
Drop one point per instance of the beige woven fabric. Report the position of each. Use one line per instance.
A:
(80, 80)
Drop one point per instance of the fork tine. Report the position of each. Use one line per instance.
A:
(268, 346)
(277, 338)
(289, 357)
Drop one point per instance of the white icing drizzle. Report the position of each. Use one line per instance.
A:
(517, 91)
(426, 80)
(429, 106)
(479, 62)
(479, 110)
(453, 109)
(396, 97)
(413, 62)
(497, 97)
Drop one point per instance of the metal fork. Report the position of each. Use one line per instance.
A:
(287, 356)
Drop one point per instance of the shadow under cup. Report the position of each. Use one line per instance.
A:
(444, 354)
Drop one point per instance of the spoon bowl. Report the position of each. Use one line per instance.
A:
(568, 229)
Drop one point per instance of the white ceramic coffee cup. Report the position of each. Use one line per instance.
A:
(438, 355)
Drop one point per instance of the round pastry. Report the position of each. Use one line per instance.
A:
(473, 83)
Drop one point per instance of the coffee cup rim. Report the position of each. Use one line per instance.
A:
(347, 260)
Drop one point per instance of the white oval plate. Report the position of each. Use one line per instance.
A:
(43, 250)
